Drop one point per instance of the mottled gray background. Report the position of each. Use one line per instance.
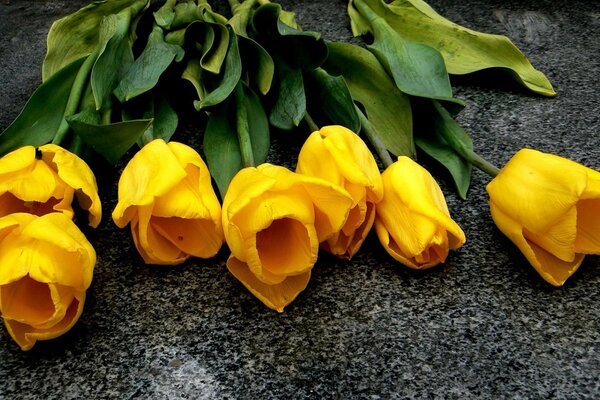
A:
(483, 325)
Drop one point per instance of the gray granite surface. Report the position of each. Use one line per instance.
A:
(483, 325)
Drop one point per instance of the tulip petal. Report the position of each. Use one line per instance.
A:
(530, 190)
(286, 247)
(16, 161)
(36, 183)
(554, 270)
(56, 251)
(276, 296)
(27, 301)
(588, 227)
(152, 246)
(559, 239)
(196, 237)
(151, 172)
(315, 160)
(26, 336)
(332, 205)
(77, 175)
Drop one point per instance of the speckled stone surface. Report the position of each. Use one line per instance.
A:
(483, 325)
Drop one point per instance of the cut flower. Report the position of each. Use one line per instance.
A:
(165, 193)
(550, 208)
(413, 222)
(46, 266)
(274, 220)
(47, 179)
(338, 155)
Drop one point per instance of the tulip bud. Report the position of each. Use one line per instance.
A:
(273, 221)
(46, 266)
(165, 193)
(46, 180)
(338, 155)
(549, 207)
(413, 222)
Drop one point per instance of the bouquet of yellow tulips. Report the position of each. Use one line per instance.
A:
(363, 113)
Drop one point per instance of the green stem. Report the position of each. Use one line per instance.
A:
(243, 128)
(233, 4)
(375, 139)
(75, 97)
(310, 122)
(479, 162)
(365, 10)
(107, 116)
(77, 145)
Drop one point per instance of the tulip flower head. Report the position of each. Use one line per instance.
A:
(274, 220)
(165, 193)
(47, 180)
(413, 223)
(550, 208)
(46, 266)
(338, 155)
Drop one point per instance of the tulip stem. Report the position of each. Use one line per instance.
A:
(243, 128)
(374, 138)
(479, 162)
(75, 97)
(310, 122)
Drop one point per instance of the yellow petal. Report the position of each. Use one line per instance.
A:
(37, 182)
(27, 301)
(197, 237)
(554, 270)
(315, 160)
(56, 251)
(276, 296)
(332, 205)
(77, 175)
(26, 336)
(153, 246)
(152, 172)
(286, 247)
(10, 240)
(537, 189)
(588, 227)
(16, 161)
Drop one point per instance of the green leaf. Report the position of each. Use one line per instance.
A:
(443, 139)
(386, 107)
(305, 50)
(221, 146)
(114, 59)
(257, 63)
(223, 84)
(39, 120)
(193, 74)
(150, 65)
(417, 69)
(111, 141)
(329, 97)
(464, 50)
(76, 35)
(289, 103)
(165, 15)
(157, 108)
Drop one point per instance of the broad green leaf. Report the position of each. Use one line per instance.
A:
(155, 107)
(39, 120)
(289, 103)
(193, 74)
(76, 35)
(219, 87)
(386, 107)
(417, 69)
(221, 146)
(257, 64)
(147, 69)
(305, 50)
(111, 141)
(185, 13)
(114, 59)
(442, 138)
(329, 97)
(215, 46)
(241, 16)
(464, 50)
(165, 15)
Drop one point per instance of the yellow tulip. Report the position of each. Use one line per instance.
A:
(273, 221)
(338, 155)
(46, 266)
(46, 180)
(413, 222)
(165, 193)
(550, 208)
